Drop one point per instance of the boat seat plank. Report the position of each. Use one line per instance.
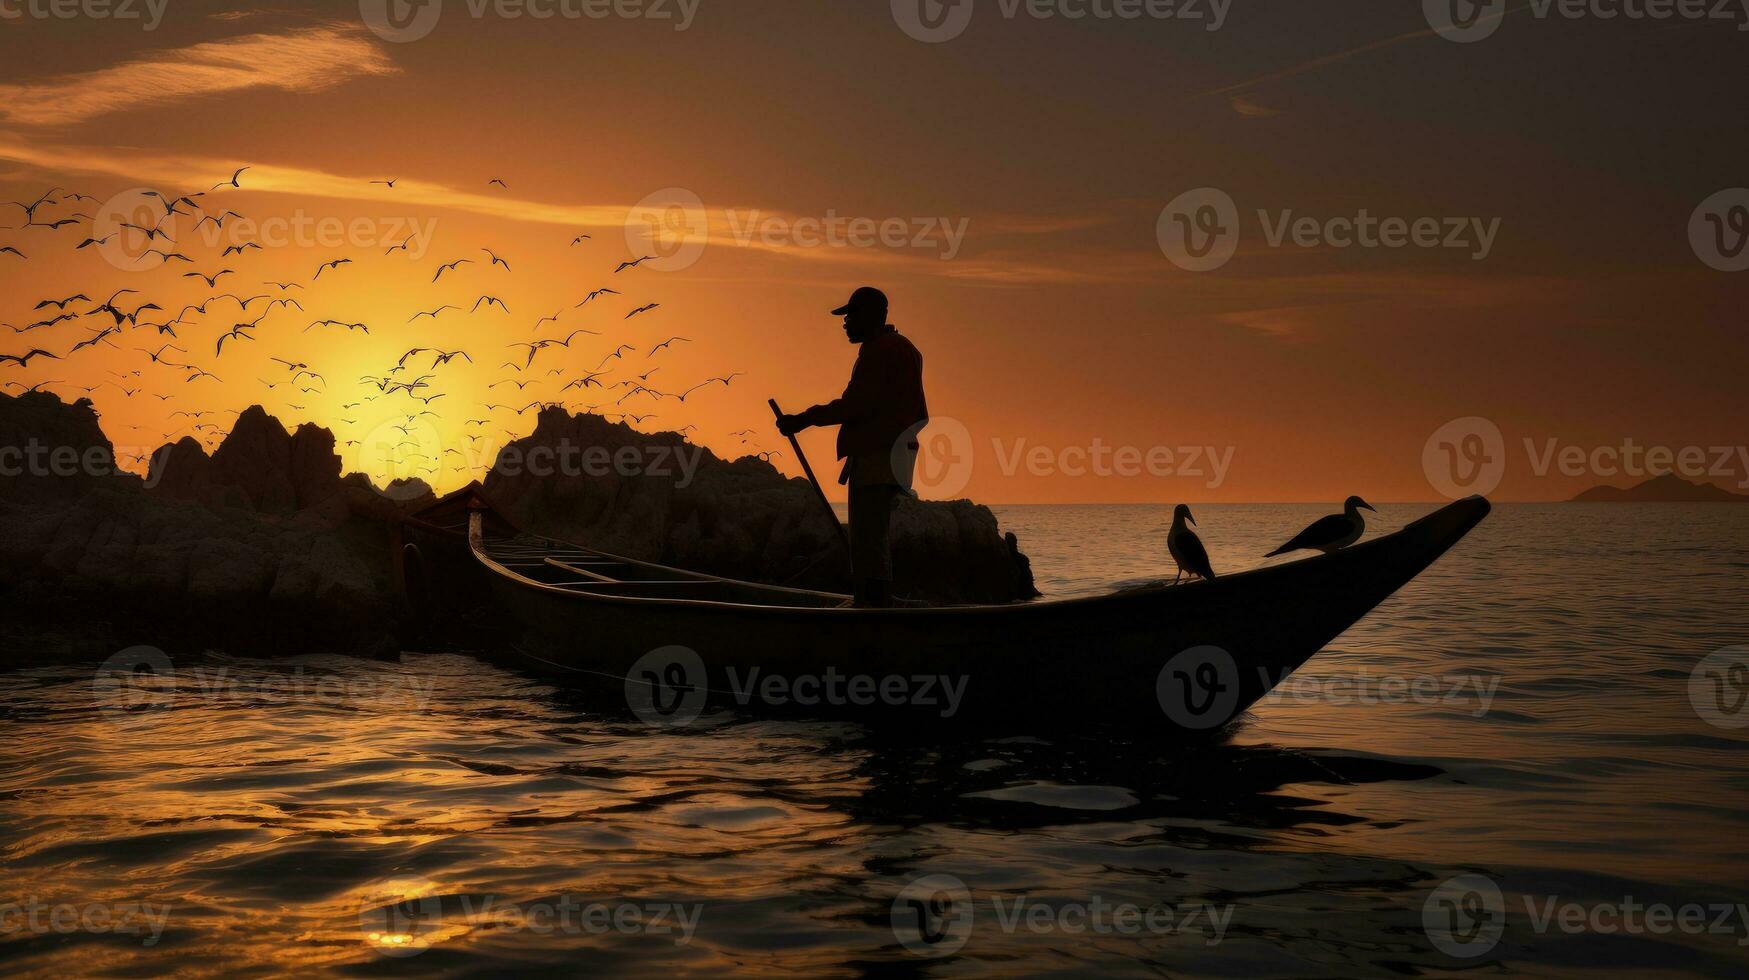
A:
(580, 570)
(593, 584)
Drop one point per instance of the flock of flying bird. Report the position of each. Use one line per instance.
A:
(411, 377)
(623, 383)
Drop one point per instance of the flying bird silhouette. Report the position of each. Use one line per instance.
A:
(237, 331)
(157, 356)
(100, 337)
(152, 234)
(212, 280)
(432, 313)
(218, 219)
(233, 182)
(337, 323)
(447, 267)
(61, 304)
(25, 358)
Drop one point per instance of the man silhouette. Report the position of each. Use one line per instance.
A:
(878, 418)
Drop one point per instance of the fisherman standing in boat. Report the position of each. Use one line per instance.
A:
(878, 418)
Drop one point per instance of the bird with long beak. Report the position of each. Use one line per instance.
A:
(1331, 533)
(1186, 548)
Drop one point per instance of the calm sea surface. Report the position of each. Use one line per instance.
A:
(1529, 718)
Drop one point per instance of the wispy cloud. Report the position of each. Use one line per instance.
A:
(1324, 61)
(306, 60)
(1250, 108)
(731, 227)
(1296, 306)
(191, 173)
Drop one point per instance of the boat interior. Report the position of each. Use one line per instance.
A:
(593, 573)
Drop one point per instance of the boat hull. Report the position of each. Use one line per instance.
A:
(1189, 657)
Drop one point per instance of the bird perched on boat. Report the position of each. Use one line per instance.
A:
(1186, 548)
(1331, 533)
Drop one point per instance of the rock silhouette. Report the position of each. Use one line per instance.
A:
(260, 546)
(737, 518)
(263, 546)
(258, 466)
(1666, 489)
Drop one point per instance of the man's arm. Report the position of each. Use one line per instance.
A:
(861, 397)
(831, 413)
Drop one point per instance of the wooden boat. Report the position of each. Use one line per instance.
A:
(1193, 656)
(671, 643)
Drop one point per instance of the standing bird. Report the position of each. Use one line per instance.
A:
(1186, 548)
(1331, 533)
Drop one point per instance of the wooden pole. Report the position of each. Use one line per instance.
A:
(819, 494)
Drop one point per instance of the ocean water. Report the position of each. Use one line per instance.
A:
(1526, 762)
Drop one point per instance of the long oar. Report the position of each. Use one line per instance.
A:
(819, 494)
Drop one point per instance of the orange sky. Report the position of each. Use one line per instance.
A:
(1056, 321)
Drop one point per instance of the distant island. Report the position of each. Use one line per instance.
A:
(1666, 489)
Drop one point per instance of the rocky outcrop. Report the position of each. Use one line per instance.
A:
(263, 546)
(260, 547)
(657, 497)
(258, 466)
(53, 452)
